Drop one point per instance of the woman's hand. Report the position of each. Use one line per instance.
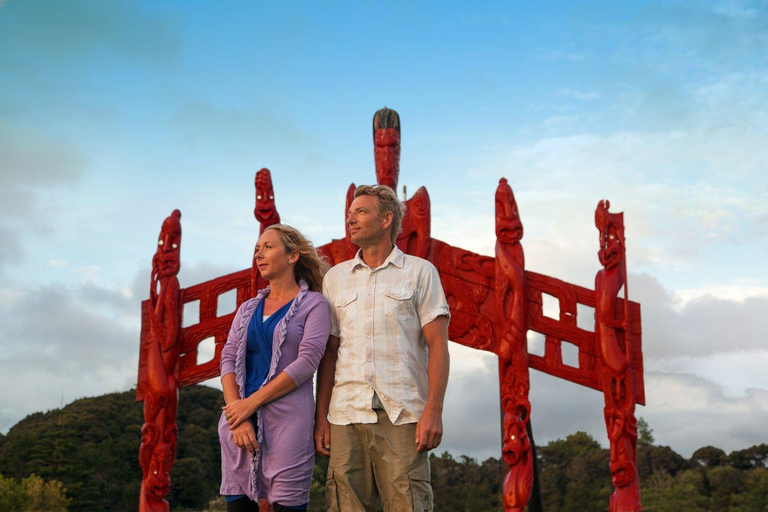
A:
(239, 411)
(245, 437)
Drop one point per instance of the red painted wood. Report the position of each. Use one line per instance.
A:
(494, 302)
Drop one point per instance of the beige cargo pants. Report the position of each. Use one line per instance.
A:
(377, 461)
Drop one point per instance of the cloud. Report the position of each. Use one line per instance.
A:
(244, 130)
(567, 92)
(31, 161)
(63, 339)
(558, 408)
(702, 326)
(74, 31)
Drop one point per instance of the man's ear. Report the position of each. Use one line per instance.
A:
(388, 220)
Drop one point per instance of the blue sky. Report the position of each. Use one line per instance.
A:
(112, 114)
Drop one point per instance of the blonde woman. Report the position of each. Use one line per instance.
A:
(274, 347)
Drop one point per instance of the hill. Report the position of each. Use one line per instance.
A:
(91, 446)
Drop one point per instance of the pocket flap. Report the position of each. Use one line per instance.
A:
(399, 293)
(344, 299)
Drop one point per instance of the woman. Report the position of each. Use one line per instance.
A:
(274, 346)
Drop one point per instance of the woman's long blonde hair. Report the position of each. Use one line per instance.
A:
(310, 266)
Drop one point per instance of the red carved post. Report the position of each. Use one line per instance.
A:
(611, 329)
(386, 147)
(158, 383)
(493, 303)
(265, 212)
(513, 351)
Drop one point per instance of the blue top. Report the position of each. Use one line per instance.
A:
(258, 355)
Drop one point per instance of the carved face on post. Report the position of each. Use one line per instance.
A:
(509, 229)
(158, 481)
(265, 211)
(386, 147)
(166, 261)
(611, 227)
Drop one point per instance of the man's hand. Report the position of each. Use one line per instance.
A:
(245, 437)
(239, 411)
(323, 437)
(429, 431)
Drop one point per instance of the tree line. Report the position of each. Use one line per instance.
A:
(84, 457)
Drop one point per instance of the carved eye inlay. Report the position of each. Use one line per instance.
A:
(175, 246)
(258, 197)
(271, 197)
(159, 242)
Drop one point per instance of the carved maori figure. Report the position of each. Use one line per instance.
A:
(159, 382)
(611, 329)
(493, 302)
(415, 237)
(386, 147)
(512, 349)
(266, 213)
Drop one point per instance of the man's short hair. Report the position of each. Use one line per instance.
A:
(388, 202)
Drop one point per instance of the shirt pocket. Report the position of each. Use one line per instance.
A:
(398, 301)
(345, 305)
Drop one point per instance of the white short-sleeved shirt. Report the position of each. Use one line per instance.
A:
(378, 315)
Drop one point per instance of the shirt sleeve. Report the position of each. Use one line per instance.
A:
(432, 302)
(333, 318)
(317, 326)
(229, 352)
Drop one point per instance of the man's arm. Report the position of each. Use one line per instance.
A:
(325, 376)
(429, 429)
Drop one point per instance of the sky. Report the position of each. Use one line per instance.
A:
(112, 114)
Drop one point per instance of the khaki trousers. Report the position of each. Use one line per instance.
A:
(377, 461)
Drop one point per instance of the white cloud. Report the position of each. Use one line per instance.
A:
(579, 95)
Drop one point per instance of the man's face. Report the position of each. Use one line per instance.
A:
(366, 228)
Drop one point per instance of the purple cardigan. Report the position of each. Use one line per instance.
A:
(282, 468)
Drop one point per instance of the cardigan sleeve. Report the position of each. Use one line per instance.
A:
(317, 328)
(229, 352)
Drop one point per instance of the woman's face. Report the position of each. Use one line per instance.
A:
(271, 257)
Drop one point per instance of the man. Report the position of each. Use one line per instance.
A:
(382, 380)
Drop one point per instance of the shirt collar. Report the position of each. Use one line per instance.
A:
(396, 258)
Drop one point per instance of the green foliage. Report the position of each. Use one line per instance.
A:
(32, 494)
(12, 495)
(644, 433)
(753, 457)
(659, 459)
(90, 447)
(709, 456)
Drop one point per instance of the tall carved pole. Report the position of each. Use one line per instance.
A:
(265, 212)
(159, 382)
(386, 147)
(611, 328)
(513, 351)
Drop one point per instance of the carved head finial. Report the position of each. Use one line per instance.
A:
(167, 261)
(265, 211)
(611, 227)
(386, 147)
(509, 228)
